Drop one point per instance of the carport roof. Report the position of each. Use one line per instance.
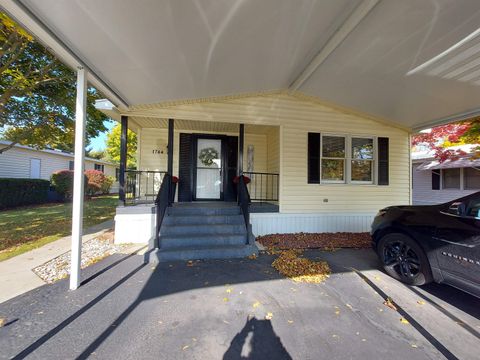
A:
(414, 63)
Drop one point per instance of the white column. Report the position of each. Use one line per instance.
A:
(78, 179)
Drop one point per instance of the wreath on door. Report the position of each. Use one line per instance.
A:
(207, 156)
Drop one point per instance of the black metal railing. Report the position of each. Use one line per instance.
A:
(162, 201)
(244, 201)
(142, 186)
(262, 187)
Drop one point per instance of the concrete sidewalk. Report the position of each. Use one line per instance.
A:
(16, 275)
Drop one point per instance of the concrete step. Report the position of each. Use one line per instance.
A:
(206, 229)
(201, 241)
(204, 211)
(202, 219)
(194, 253)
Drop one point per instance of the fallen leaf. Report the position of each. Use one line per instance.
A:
(414, 346)
(3, 321)
(194, 339)
(349, 306)
(404, 321)
(190, 263)
(269, 316)
(389, 302)
(185, 347)
(337, 312)
(256, 304)
(253, 257)
(421, 302)
(226, 322)
(290, 321)
(228, 291)
(225, 299)
(153, 268)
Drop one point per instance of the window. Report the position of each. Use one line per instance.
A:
(362, 160)
(99, 167)
(71, 165)
(333, 159)
(349, 159)
(471, 178)
(451, 178)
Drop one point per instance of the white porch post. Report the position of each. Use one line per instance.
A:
(78, 178)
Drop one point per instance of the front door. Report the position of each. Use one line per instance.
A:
(208, 173)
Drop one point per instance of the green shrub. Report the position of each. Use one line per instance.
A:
(62, 181)
(17, 192)
(107, 184)
(96, 179)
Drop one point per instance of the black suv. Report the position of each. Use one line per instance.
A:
(441, 243)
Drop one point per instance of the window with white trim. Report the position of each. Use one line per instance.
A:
(347, 159)
(333, 156)
(362, 160)
(99, 167)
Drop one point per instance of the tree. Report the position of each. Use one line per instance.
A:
(440, 138)
(113, 146)
(37, 94)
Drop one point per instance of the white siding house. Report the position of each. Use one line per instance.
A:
(26, 162)
(437, 183)
(277, 128)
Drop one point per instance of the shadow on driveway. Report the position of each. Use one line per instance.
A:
(212, 309)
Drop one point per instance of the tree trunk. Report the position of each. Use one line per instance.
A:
(8, 147)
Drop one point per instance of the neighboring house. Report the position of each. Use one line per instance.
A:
(437, 182)
(26, 162)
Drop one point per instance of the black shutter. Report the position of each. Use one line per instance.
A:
(314, 158)
(435, 179)
(383, 156)
(185, 169)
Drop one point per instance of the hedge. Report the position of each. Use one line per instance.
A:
(17, 192)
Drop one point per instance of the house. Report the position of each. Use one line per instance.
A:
(312, 167)
(319, 97)
(436, 182)
(29, 163)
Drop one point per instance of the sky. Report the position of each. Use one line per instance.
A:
(98, 143)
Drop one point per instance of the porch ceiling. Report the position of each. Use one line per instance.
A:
(412, 62)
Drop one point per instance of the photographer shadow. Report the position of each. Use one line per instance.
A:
(257, 340)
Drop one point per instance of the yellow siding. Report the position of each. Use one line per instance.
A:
(296, 118)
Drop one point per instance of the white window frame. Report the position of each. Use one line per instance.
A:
(373, 160)
(347, 160)
(462, 182)
(333, 158)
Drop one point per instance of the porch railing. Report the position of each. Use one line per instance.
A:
(162, 201)
(263, 187)
(244, 201)
(142, 186)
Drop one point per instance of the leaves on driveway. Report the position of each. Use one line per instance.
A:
(300, 269)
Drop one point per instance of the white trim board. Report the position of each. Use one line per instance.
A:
(277, 223)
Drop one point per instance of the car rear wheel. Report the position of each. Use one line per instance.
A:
(404, 260)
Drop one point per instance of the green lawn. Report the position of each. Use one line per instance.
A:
(27, 228)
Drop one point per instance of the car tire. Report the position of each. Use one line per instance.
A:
(403, 259)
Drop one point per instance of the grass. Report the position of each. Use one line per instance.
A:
(27, 228)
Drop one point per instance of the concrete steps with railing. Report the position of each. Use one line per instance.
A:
(214, 230)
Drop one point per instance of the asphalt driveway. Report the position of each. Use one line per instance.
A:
(237, 309)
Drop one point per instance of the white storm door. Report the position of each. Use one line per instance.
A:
(34, 168)
(209, 169)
